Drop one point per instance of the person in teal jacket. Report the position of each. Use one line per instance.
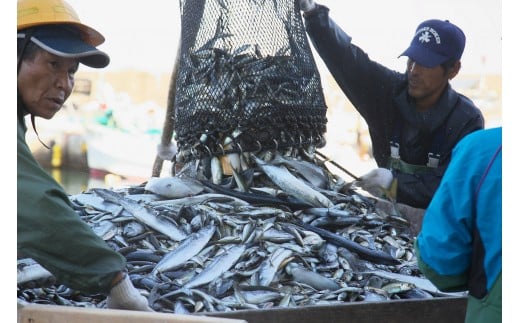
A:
(460, 244)
(51, 42)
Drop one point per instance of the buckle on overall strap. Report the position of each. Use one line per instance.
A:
(394, 150)
(433, 160)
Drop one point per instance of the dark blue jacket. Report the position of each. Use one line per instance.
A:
(380, 96)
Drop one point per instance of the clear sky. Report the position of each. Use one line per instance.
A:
(144, 34)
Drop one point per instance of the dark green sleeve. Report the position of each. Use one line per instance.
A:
(445, 283)
(53, 234)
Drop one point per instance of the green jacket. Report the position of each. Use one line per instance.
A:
(53, 234)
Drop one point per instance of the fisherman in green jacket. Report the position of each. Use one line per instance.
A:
(51, 43)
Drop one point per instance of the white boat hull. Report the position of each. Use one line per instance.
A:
(121, 153)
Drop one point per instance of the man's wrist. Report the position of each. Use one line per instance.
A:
(119, 278)
(311, 11)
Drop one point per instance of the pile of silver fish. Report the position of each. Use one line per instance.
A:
(279, 233)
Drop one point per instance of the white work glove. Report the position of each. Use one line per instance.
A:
(124, 296)
(307, 5)
(377, 182)
(166, 152)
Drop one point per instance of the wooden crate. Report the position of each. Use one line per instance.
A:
(34, 313)
(445, 310)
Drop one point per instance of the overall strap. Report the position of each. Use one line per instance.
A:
(396, 137)
(435, 149)
(433, 154)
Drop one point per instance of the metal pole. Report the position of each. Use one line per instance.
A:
(169, 119)
(337, 165)
(195, 9)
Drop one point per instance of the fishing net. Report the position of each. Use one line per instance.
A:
(246, 81)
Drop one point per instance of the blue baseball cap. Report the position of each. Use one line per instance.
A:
(66, 41)
(436, 42)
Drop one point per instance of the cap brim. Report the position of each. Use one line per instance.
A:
(424, 56)
(63, 43)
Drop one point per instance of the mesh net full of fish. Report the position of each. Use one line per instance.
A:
(247, 80)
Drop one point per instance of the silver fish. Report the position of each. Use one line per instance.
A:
(179, 308)
(219, 266)
(96, 202)
(174, 187)
(311, 172)
(397, 287)
(198, 199)
(188, 248)
(29, 270)
(132, 229)
(234, 161)
(275, 235)
(240, 181)
(311, 278)
(260, 296)
(216, 170)
(270, 266)
(419, 282)
(140, 212)
(292, 185)
(105, 229)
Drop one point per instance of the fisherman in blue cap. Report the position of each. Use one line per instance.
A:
(52, 42)
(415, 118)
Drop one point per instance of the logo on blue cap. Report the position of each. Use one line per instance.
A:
(426, 35)
(436, 42)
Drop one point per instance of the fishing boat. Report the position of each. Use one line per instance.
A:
(124, 142)
(114, 151)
